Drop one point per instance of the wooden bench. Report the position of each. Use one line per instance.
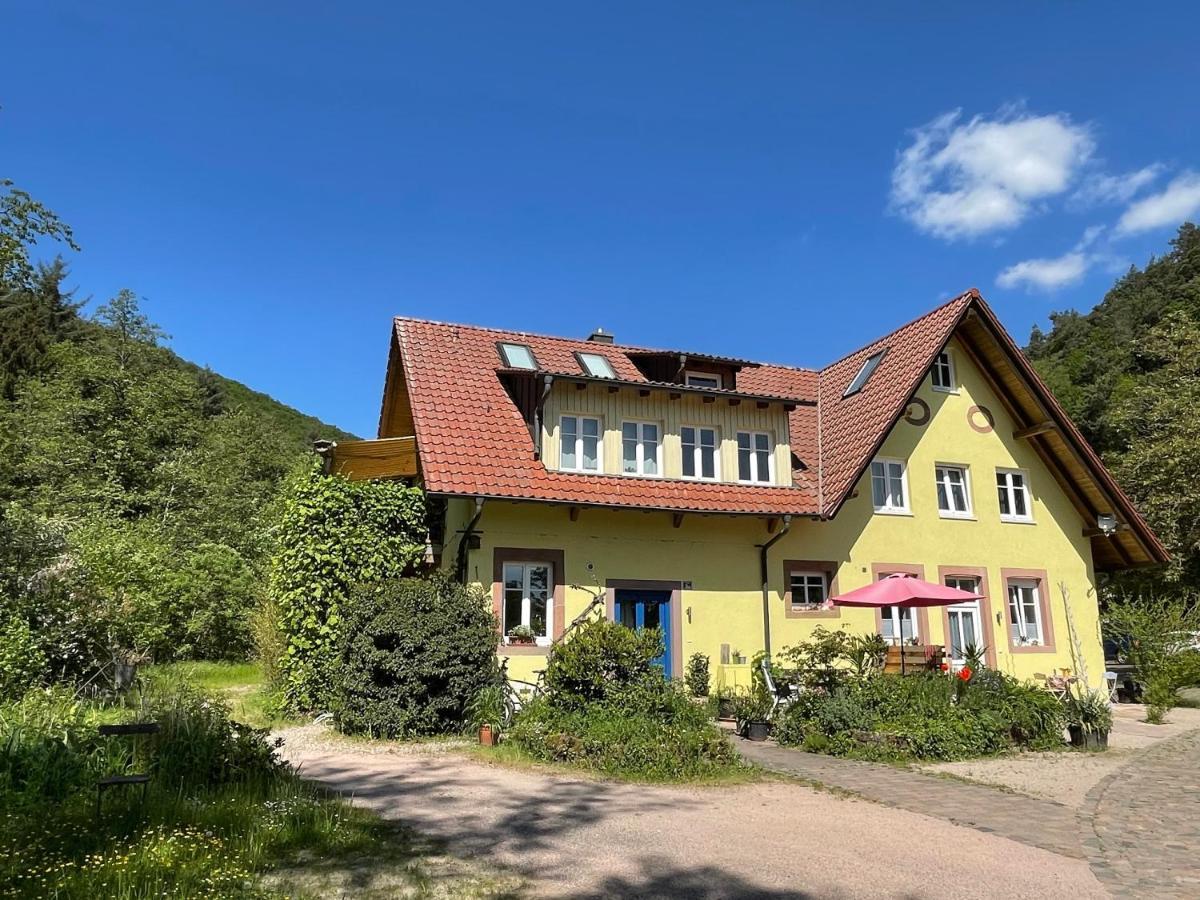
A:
(913, 660)
(132, 729)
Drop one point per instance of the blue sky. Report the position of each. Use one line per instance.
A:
(770, 180)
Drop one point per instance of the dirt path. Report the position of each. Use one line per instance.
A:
(775, 839)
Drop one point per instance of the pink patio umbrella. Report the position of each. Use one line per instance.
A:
(906, 591)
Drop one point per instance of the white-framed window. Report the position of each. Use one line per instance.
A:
(808, 588)
(518, 356)
(942, 373)
(1012, 485)
(701, 452)
(581, 444)
(640, 448)
(529, 598)
(596, 365)
(964, 620)
(896, 623)
(870, 364)
(755, 460)
(889, 485)
(953, 491)
(1025, 613)
(703, 380)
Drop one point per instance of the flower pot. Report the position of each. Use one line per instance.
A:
(758, 731)
(725, 708)
(1088, 740)
(488, 737)
(521, 641)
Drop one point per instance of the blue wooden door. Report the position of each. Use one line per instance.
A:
(647, 609)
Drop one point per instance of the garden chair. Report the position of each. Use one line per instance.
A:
(781, 694)
(131, 730)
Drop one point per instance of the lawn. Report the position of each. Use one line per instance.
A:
(219, 818)
(241, 684)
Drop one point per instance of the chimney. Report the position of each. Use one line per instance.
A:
(600, 336)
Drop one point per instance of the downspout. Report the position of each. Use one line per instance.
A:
(464, 544)
(766, 582)
(537, 418)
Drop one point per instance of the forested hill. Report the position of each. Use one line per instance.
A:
(1128, 372)
(138, 491)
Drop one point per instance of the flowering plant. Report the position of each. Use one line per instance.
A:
(965, 673)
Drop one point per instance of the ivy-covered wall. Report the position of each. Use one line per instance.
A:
(333, 534)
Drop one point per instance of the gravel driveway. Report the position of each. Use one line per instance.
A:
(772, 839)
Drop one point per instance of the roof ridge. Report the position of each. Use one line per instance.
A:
(970, 292)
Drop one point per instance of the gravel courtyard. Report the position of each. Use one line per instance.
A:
(772, 839)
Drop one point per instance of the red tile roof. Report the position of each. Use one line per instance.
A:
(472, 439)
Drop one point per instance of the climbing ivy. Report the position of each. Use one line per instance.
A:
(333, 534)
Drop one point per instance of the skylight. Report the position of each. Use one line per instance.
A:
(596, 365)
(868, 367)
(518, 356)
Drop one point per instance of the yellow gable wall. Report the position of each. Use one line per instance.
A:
(719, 556)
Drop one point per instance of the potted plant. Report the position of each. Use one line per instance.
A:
(521, 634)
(1089, 719)
(725, 703)
(753, 715)
(486, 712)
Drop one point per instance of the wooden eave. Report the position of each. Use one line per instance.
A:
(379, 458)
(1073, 463)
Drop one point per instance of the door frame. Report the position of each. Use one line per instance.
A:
(675, 651)
(985, 605)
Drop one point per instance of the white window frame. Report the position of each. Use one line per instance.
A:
(807, 574)
(887, 509)
(541, 640)
(579, 420)
(586, 365)
(894, 615)
(942, 469)
(1011, 492)
(754, 452)
(690, 379)
(698, 454)
(640, 449)
(1022, 638)
(944, 360)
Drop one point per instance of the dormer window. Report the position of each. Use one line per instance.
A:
(703, 380)
(868, 368)
(596, 365)
(518, 356)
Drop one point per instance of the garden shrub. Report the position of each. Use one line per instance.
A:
(333, 534)
(608, 708)
(696, 675)
(1155, 633)
(923, 717)
(416, 652)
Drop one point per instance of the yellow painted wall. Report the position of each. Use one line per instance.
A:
(720, 557)
(627, 405)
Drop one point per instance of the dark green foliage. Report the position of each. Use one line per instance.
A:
(610, 709)
(417, 652)
(696, 676)
(332, 535)
(916, 717)
(602, 659)
(1127, 374)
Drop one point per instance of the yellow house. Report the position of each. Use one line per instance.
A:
(725, 500)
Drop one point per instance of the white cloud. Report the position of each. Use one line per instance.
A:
(1178, 201)
(1116, 188)
(1046, 274)
(963, 179)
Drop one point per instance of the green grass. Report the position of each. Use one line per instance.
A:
(511, 756)
(241, 684)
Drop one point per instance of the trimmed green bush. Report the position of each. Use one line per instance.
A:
(333, 534)
(696, 676)
(608, 708)
(417, 651)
